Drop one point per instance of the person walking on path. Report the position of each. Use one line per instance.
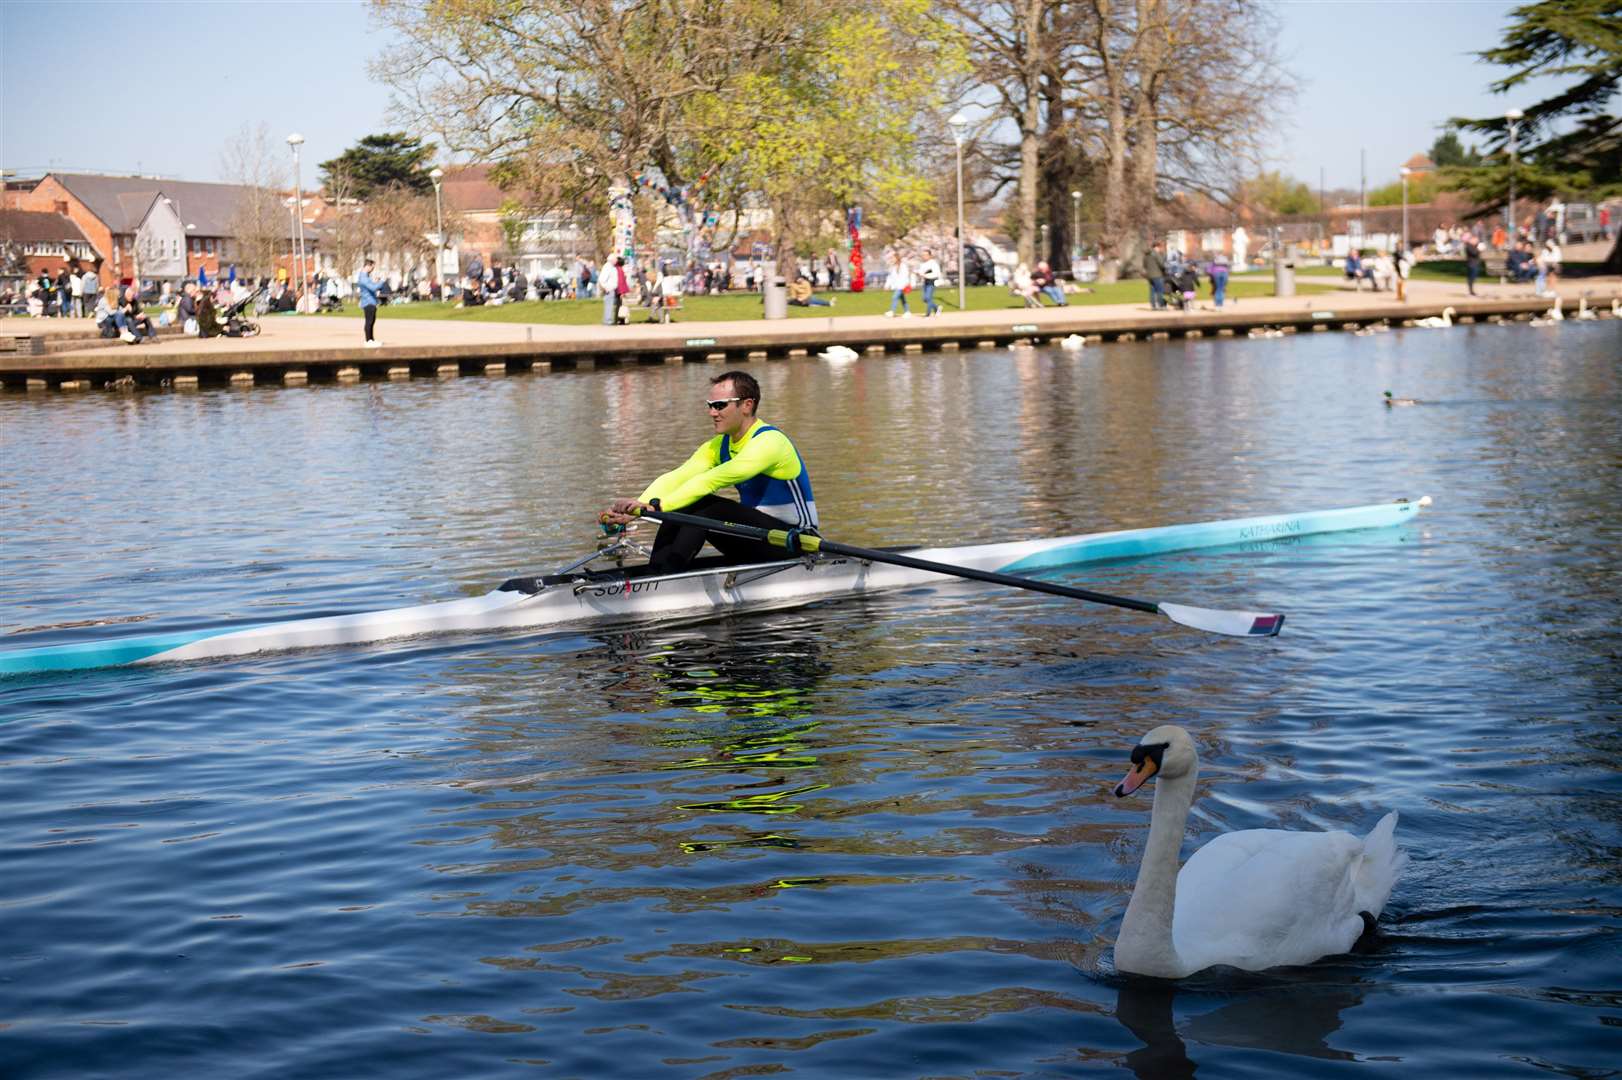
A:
(367, 288)
(1154, 269)
(930, 271)
(89, 289)
(900, 281)
(1549, 260)
(64, 293)
(612, 283)
(774, 488)
(1472, 260)
(1219, 279)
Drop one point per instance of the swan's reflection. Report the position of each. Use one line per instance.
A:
(1279, 1015)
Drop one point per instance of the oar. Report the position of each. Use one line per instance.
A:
(1238, 623)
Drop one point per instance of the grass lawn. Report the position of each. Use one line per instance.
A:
(747, 306)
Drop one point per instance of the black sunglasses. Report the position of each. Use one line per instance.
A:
(719, 406)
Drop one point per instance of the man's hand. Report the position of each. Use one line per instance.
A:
(622, 512)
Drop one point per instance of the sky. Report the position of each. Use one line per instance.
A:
(1374, 75)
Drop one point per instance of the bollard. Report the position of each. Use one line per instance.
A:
(774, 293)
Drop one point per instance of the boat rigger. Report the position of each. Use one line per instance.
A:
(574, 596)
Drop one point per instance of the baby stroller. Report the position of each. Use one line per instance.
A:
(234, 322)
(1182, 288)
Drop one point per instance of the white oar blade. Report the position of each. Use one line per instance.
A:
(1237, 623)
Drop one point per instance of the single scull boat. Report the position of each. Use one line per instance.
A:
(574, 595)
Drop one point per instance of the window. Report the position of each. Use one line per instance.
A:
(61, 206)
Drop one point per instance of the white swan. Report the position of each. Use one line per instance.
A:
(1616, 308)
(1254, 899)
(1073, 343)
(1549, 318)
(1442, 322)
(1583, 310)
(839, 354)
(1264, 332)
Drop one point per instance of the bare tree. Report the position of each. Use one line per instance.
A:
(1126, 101)
(259, 222)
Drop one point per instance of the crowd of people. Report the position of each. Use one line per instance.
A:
(72, 292)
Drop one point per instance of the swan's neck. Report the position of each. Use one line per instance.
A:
(1146, 946)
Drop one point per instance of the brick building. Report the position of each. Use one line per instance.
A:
(32, 243)
(138, 226)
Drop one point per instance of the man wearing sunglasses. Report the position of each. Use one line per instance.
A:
(774, 488)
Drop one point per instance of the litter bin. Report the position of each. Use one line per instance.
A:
(774, 292)
(1283, 277)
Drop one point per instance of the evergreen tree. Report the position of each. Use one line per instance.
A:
(381, 161)
(1447, 150)
(1568, 143)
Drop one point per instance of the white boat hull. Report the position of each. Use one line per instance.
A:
(694, 593)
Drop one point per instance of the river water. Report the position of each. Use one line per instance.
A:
(871, 838)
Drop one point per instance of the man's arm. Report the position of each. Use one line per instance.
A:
(769, 452)
(701, 461)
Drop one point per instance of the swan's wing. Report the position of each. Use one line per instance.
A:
(1265, 897)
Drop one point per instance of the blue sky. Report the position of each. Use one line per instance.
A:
(1376, 74)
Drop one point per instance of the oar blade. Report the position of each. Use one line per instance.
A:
(1235, 623)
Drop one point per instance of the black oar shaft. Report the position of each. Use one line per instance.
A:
(793, 542)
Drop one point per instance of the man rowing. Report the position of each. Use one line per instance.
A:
(774, 488)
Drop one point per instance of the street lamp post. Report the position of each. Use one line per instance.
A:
(1514, 117)
(1405, 171)
(292, 233)
(436, 175)
(1075, 232)
(296, 140)
(960, 124)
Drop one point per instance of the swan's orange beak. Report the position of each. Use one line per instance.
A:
(1141, 772)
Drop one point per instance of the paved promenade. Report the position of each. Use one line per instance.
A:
(327, 345)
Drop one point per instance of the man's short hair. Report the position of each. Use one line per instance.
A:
(368, 263)
(743, 385)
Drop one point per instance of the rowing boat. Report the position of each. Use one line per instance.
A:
(574, 596)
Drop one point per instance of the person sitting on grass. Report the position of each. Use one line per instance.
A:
(106, 314)
(1047, 284)
(132, 320)
(1354, 269)
(1023, 286)
(186, 310)
(799, 294)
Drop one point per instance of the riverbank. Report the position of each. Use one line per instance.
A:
(46, 354)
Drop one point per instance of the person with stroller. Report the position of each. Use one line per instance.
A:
(208, 316)
(1154, 272)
